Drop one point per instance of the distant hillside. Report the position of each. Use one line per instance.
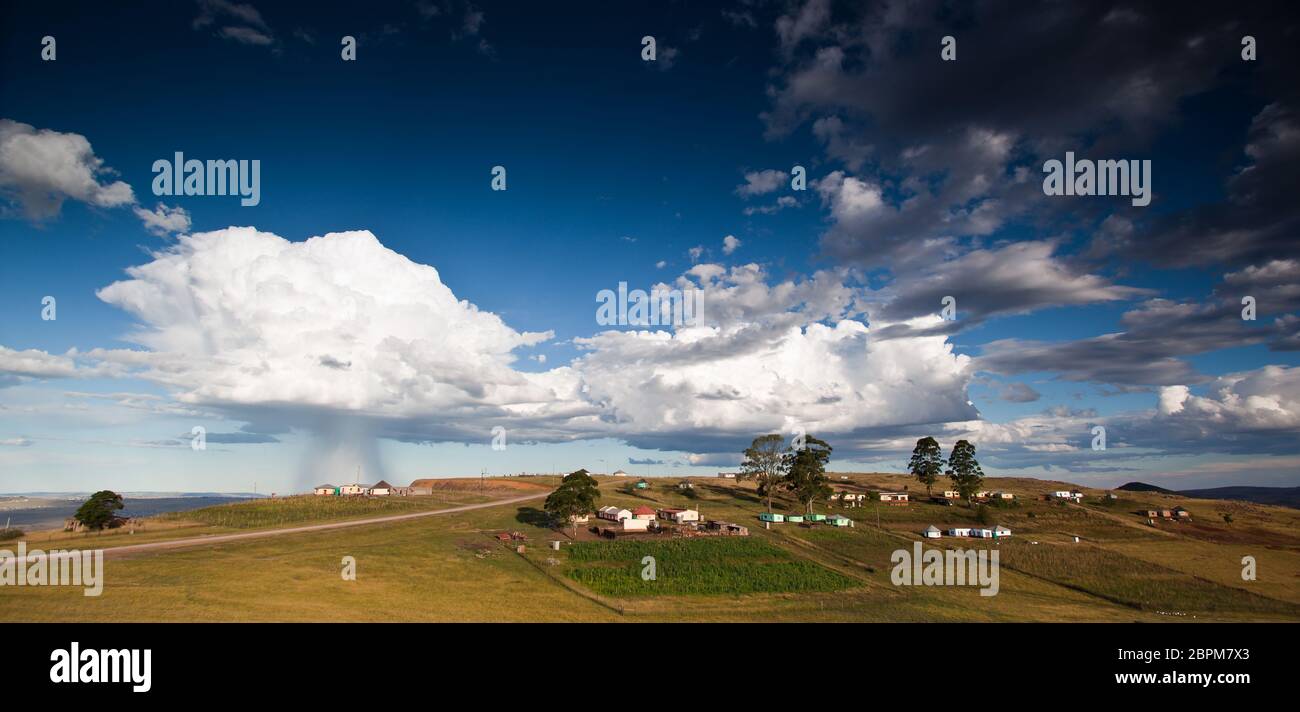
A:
(1143, 487)
(1280, 496)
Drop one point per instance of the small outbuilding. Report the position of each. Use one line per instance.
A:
(894, 498)
(635, 525)
(931, 532)
(726, 528)
(681, 516)
(325, 490)
(839, 520)
(614, 514)
(643, 512)
(771, 517)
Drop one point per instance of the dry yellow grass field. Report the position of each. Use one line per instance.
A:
(451, 568)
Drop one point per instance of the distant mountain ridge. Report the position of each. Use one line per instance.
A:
(1280, 496)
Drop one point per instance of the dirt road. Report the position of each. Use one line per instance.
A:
(223, 538)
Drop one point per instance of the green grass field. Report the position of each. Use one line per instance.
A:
(449, 567)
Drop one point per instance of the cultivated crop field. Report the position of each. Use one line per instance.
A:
(700, 566)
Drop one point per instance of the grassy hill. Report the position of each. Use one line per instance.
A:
(1282, 496)
(451, 567)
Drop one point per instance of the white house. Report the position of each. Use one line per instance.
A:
(614, 514)
(644, 512)
(894, 497)
(354, 489)
(931, 532)
(323, 489)
(1000, 531)
(679, 515)
(636, 525)
(982, 532)
(1002, 495)
(727, 475)
(1074, 496)
(620, 473)
(959, 531)
(951, 494)
(578, 518)
(381, 489)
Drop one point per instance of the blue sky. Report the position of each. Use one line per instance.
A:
(617, 168)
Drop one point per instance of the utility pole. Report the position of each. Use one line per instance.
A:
(482, 480)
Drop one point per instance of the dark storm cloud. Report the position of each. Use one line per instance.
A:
(1147, 352)
(956, 147)
(1260, 217)
(1010, 279)
(1047, 70)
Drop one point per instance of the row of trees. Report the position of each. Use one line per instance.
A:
(962, 468)
(799, 470)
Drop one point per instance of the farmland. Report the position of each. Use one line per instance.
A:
(716, 565)
(452, 568)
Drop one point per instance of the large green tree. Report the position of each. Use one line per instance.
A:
(98, 511)
(927, 462)
(577, 495)
(964, 469)
(806, 472)
(765, 463)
